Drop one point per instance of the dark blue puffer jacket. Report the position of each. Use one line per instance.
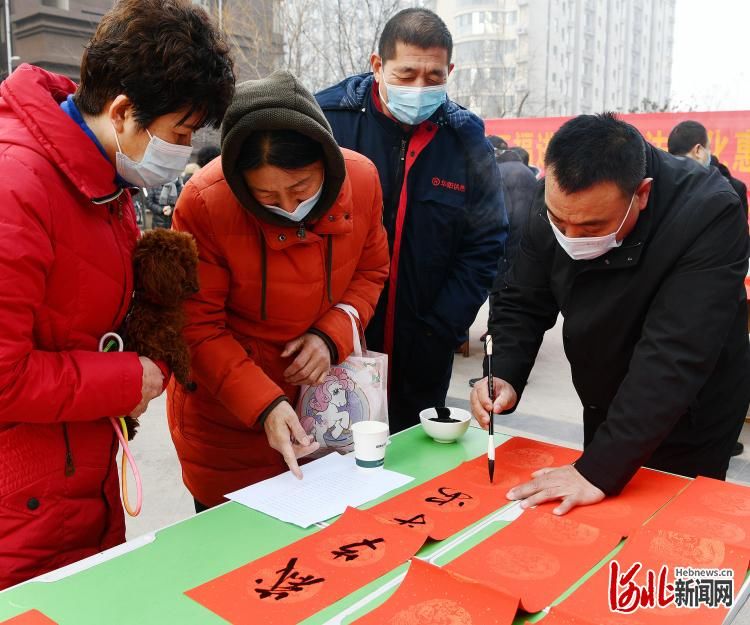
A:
(443, 210)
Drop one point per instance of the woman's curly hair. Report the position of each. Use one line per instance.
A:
(164, 55)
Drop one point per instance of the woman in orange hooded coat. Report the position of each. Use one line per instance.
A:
(288, 225)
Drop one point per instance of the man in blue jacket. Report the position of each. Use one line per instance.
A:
(443, 204)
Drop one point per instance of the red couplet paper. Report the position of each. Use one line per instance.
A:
(641, 587)
(449, 503)
(537, 557)
(712, 509)
(555, 617)
(32, 617)
(430, 595)
(295, 582)
(643, 496)
(518, 458)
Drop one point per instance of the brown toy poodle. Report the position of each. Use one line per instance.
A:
(165, 268)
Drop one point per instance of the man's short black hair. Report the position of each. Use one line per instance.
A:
(416, 27)
(497, 142)
(685, 136)
(590, 149)
(522, 153)
(507, 156)
(206, 154)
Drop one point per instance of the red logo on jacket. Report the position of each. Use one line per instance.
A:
(453, 186)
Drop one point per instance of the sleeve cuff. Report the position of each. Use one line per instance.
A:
(507, 374)
(264, 415)
(165, 371)
(329, 343)
(605, 478)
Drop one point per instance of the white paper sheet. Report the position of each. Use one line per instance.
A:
(329, 485)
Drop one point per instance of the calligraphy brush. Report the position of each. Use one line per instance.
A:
(491, 389)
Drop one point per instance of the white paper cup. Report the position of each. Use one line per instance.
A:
(370, 440)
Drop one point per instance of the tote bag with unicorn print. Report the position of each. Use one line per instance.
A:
(355, 390)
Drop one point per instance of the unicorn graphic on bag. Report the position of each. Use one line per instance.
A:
(330, 408)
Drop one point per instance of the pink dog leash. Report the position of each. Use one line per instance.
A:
(107, 343)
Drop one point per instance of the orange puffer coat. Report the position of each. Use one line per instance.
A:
(264, 282)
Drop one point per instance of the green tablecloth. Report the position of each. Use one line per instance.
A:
(145, 586)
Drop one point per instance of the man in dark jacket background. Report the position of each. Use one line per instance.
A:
(161, 201)
(645, 255)
(737, 184)
(689, 139)
(519, 188)
(443, 205)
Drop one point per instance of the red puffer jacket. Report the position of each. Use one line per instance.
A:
(67, 235)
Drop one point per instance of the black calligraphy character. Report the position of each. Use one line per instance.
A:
(349, 552)
(289, 581)
(449, 497)
(415, 520)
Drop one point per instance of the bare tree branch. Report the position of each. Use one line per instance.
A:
(519, 110)
(321, 41)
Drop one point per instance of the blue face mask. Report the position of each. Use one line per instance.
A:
(413, 105)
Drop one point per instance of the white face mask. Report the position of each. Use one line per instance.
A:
(162, 162)
(303, 208)
(588, 248)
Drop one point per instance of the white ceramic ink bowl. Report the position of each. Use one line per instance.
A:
(451, 426)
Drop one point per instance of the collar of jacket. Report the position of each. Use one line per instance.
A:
(629, 253)
(336, 220)
(353, 93)
(35, 96)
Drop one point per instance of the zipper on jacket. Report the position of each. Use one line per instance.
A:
(103, 491)
(110, 206)
(301, 231)
(400, 166)
(70, 468)
(263, 277)
(398, 184)
(116, 232)
(329, 268)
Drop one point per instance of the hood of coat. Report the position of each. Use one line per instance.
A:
(278, 102)
(34, 95)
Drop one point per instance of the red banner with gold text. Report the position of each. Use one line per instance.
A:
(729, 132)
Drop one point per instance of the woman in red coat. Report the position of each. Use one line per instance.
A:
(288, 225)
(67, 233)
